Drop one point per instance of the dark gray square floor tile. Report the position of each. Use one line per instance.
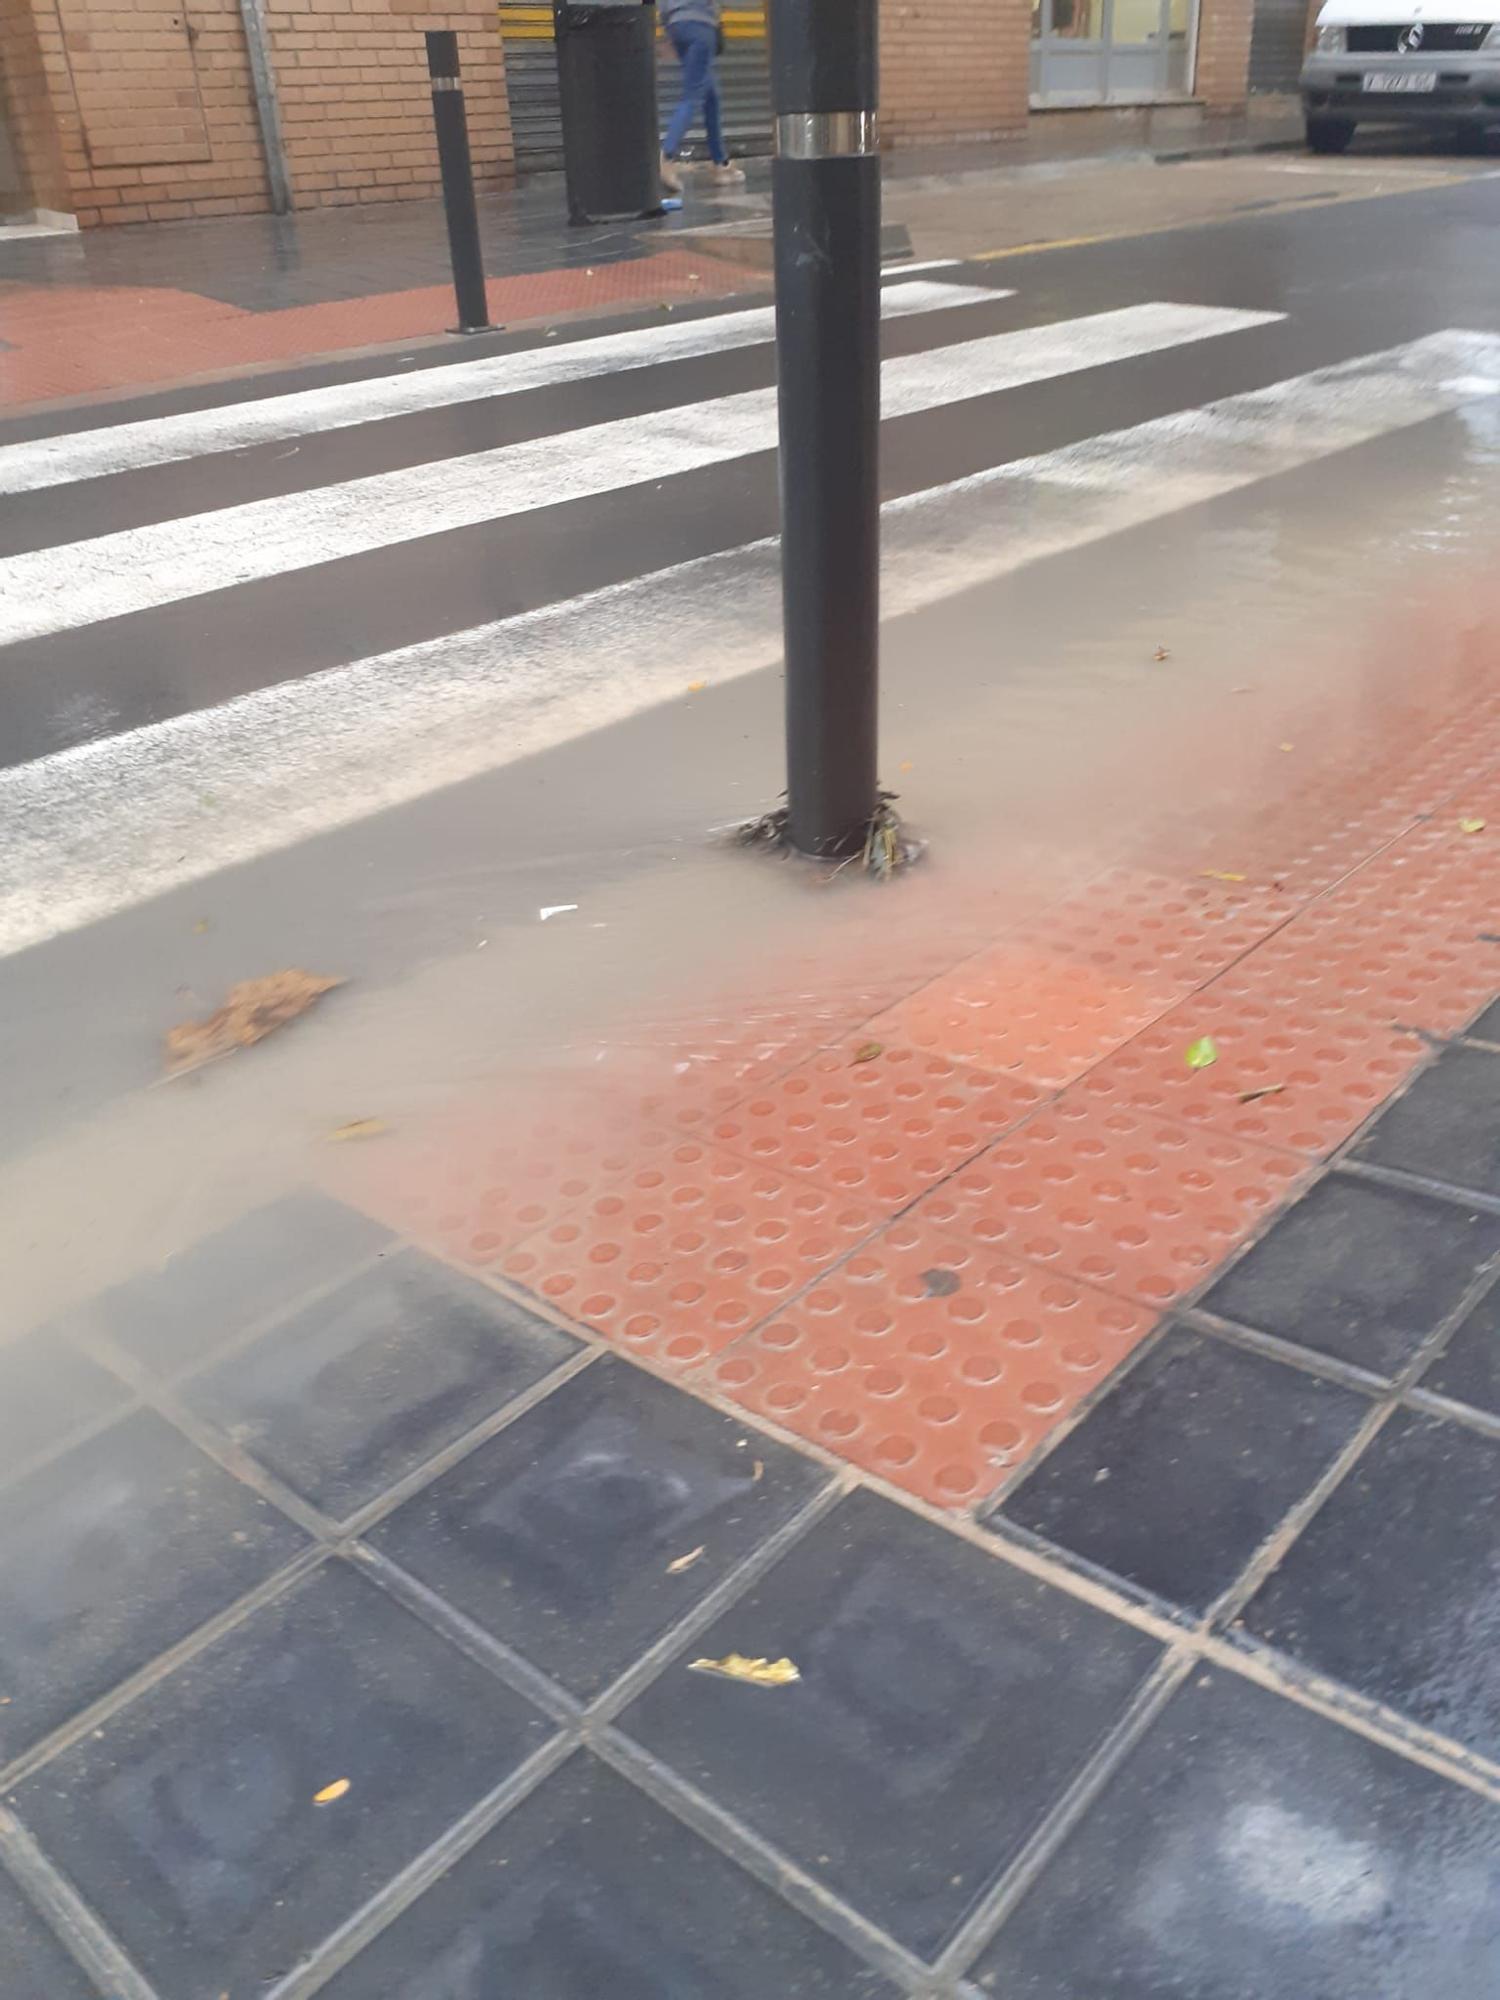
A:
(1394, 1587)
(1447, 1126)
(362, 1386)
(1358, 1271)
(189, 1821)
(1487, 1027)
(590, 1891)
(47, 1392)
(1250, 1850)
(33, 1965)
(945, 1702)
(1178, 1475)
(222, 1285)
(1468, 1369)
(558, 1535)
(111, 1553)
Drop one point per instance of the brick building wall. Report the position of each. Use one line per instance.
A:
(141, 110)
(34, 144)
(153, 108)
(953, 69)
(356, 107)
(1223, 77)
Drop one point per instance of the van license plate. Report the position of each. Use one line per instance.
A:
(1400, 79)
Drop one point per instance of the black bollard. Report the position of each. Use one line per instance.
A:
(826, 204)
(452, 127)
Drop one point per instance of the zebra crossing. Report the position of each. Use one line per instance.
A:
(118, 815)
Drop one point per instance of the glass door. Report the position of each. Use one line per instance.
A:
(1137, 51)
(1067, 51)
(1109, 51)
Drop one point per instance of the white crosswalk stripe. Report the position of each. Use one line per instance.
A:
(100, 828)
(136, 569)
(96, 454)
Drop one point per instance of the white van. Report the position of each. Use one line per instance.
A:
(1402, 62)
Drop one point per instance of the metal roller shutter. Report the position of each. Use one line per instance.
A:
(531, 80)
(1277, 40)
(531, 84)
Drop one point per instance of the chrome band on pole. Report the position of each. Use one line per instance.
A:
(827, 135)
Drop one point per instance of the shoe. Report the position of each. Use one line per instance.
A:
(727, 174)
(671, 180)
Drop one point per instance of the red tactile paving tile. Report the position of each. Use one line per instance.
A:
(1159, 929)
(931, 1361)
(1026, 1009)
(475, 1184)
(882, 1129)
(1323, 1079)
(70, 340)
(1391, 974)
(1130, 1202)
(1297, 861)
(688, 1250)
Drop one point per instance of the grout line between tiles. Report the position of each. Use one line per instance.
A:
(1277, 1545)
(86, 1720)
(1329, 1699)
(100, 1347)
(1433, 1403)
(59, 1903)
(1306, 1360)
(758, 1857)
(577, 1723)
(454, 1453)
(22, 1469)
(1391, 1731)
(394, 1897)
(467, 1635)
(1017, 1475)
(992, 1910)
(1453, 1192)
(648, 1665)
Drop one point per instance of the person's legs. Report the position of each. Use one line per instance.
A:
(693, 42)
(712, 122)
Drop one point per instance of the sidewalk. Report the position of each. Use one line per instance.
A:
(159, 303)
(1065, 1360)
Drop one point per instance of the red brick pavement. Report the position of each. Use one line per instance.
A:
(74, 340)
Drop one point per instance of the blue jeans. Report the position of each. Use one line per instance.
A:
(696, 44)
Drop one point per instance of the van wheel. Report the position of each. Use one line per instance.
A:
(1329, 135)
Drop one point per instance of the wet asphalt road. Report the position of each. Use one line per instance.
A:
(613, 783)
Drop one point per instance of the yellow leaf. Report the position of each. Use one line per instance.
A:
(1286, 746)
(696, 687)
(1471, 826)
(331, 1792)
(684, 1562)
(360, 1128)
(906, 766)
(759, 1673)
(1220, 875)
(867, 1052)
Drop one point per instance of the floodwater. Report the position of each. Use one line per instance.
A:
(1138, 702)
